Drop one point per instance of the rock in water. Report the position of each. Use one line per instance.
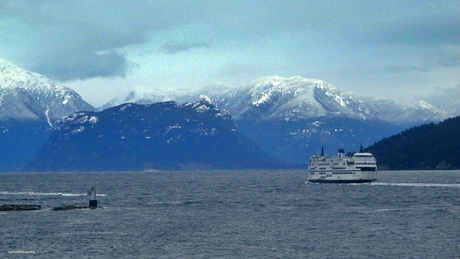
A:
(68, 207)
(9, 207)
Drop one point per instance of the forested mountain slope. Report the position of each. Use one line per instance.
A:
(429, 146)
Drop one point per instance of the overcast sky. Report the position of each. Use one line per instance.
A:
(401, 49)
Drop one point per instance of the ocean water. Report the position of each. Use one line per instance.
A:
(231, 214)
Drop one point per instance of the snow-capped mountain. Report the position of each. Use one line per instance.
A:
(30, 106)
(296, 98)
(148, 96)
(300, 98)
(26, 95)
(291, 118)
(396, 112)
(290, 99)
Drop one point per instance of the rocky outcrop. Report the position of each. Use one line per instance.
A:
(68, 207)
(18, 207)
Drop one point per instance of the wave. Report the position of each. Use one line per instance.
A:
(385, 210)
(453, 185)
(48, 194)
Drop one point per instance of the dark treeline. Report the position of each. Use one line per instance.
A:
(426, 147)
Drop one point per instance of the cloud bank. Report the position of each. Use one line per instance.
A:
(359, 45)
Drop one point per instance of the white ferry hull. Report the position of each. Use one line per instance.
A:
(343, 177)
(341, 181)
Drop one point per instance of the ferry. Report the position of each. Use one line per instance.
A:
(359, 168)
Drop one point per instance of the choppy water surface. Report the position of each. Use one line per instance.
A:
(232, 214)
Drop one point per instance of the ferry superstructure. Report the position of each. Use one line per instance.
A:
(359, 168)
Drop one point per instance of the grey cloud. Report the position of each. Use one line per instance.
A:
(82, 66)
(424, 30)
(180, 47)
(230, 70)
(450, 57)
(450, 61)
(452, 92)
(391, 69)
(443, 96)
(68, 36)
(402, 69)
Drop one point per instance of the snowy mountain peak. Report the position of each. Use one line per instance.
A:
(146, 95)
(425, 105)
(203, 104)
(268, 89)
(205, 99)
(319, 84)
(297, 96)
(26, 95)
(12, 76)
(286, 81)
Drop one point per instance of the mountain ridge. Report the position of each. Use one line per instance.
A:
(291, 117)
(296, 96)
(160, 136)
(288, 117)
